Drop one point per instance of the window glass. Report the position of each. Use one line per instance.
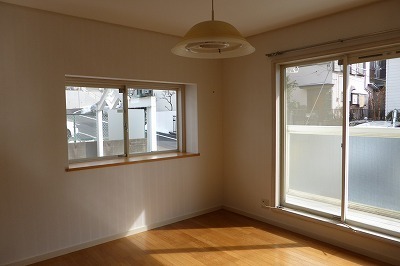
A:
(94, 122)
(314, 178)
(152, 120)
(374, 183)
(122, 119)
(313, 110)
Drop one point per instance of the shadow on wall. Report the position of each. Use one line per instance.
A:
(56, 211)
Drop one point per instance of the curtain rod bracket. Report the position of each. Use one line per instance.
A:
(274, 54)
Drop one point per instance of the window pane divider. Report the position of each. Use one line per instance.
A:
(126, 121)
(345, 140)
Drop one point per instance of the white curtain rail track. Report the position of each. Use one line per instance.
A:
(369, 35)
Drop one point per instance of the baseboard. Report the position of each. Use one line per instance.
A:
(297, 230)
(110, 238)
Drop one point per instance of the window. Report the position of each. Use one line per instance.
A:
(340, 157)
(357, 69)
(109, 118)
(313, 137)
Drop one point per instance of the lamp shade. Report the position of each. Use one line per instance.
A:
(213, 39)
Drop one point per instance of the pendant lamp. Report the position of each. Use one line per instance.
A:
(213, 39)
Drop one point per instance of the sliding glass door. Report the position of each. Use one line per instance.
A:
(313, 109)
(341, 139)
(374, 144)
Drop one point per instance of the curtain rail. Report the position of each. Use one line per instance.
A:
(333, 42)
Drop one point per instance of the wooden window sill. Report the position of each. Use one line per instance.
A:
(130, 160)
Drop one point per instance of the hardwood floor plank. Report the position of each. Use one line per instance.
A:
(217, 238)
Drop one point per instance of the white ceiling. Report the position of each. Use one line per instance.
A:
(175, 17)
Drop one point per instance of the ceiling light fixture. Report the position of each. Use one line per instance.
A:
(213, 39)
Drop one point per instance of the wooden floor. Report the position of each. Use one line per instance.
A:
(217, 238)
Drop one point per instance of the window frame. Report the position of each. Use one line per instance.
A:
(349, 56)
(123, 85)
(283, 165)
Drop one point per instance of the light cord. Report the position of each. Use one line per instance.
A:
(212, 10)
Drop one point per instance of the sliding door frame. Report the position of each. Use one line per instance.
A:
(348, 56)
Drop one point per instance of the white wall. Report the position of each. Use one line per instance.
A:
(165, 121)
(392, 84)
(136, 124)
(42, 207)
(249, 118)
